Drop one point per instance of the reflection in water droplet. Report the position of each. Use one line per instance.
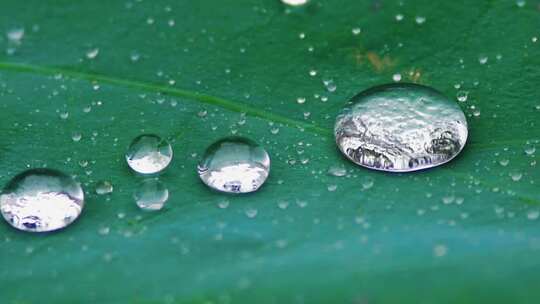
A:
(149, 154)
(41, 200)
(104, 187)
(151, 194)
(401, 127)
(91, 54)
(235, 165)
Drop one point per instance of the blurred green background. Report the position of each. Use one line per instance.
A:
(196, 71)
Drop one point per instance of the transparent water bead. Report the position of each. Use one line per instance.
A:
(234, 165)
(151, 194)
(149, 154)
(401, 128)
(41, 200)
(295, 2)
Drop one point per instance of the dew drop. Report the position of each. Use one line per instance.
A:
(149, 154)
(151, 194)
(462, 96)
(15, 35)
(401, 127)
(295, 2)
(420, 19)
(440, 250)
(40, 200)
(251, 212)
(396, 77)
(234, 165)
(93, 53)
(533, 215)
(337, 171)
(104, 187)
(530, 150)
(223, 204)
(356, 31)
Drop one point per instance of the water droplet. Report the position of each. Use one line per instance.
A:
(332, 187)
(516, 176)
(520, 3)
(235, 165)
(149, 154)
(251, 212)
(40, 200)
(312, 73)
(420, 19)
(91, 54)
(530, 150)
(396, 77)
(76, 136)
(104, 187)
(533, 214)
(15, 35)
(223, 204)
(401, 127)
(356, 31)
(462, 96)
(295, 2)
(151, 194)
(300, 100)
(504, 162)
(337, 171)
(483, 59)
(399, 17)
(440, 250)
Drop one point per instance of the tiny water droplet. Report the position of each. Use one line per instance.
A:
(530, 150)
(40, 200)
(533, 214)
(396, 77)
(93, 53)
(332, 187)
(234, 165)
(420, 20)
(104, 187)
(462, 96)
(356, 31)
(300, 100)
(149, 154)
(504, 162)
(223, 204)
(337, 171)
(15, 35)
(151, 194)
(516, 176)
(440, 250)
(401, 127)
(251, 212)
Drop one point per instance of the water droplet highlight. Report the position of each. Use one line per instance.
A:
(234, 165)
(401, 128)
(149, 154)
(104, 187)
(41, 200)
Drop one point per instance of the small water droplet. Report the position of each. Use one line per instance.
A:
(462, 96)
(151, 194)
(40, 200)
(332, 187)
(223, 204)
(440, 250)
(149, 154)
(300, 100)
(104, 187)
(396, 77)
(251, 212)
(234, 165)
(520, 3)
(483, 59)
(420, 20)
(76, 136)
(15, 35)
(401, 127)
(516, 176)
(356, 31)
(533, 215)
(530, 150)
(504, 162)
(337, 171)
(399, 17)
(92, 53)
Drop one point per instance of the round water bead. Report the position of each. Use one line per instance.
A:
(40, 200)
(234, 165)
(151, 194)
(400, 128)
(295, 2)
(149, 154)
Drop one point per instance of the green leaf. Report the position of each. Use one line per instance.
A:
(161, 64)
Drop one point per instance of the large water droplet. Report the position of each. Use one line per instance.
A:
(401, 127)
(235, 165)
(151, 194)
(40, 200)
(149, 154)
(295, 2)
